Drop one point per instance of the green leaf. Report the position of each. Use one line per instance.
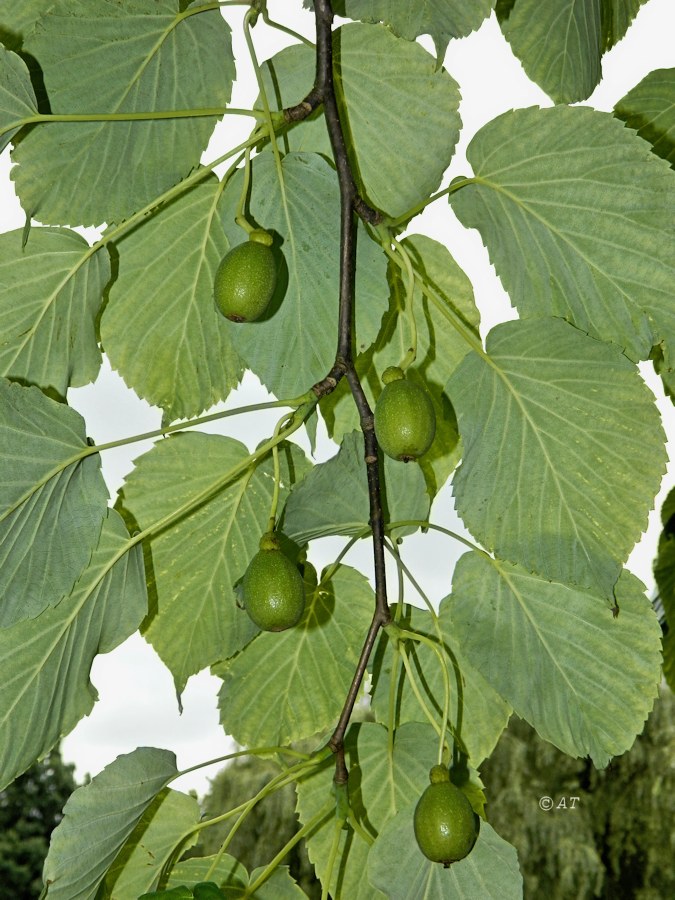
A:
(649, 108)
(442, 19)
(138, 864)
(16, 20)
(415, 118)
(333, 498)
(584, 678)
(304, 310)
(186, 361)
(232, 877)
(576, 213)
(177, 893)
(443, 297)
(617, 15)
(227, 871)
(17, 97)
(397, 867)
(99, 817)
(99, 56)
(279, 886)
(560, 42)
(193, 566)
(50, 293)
(478, 714)
(380, 783)
(664, 574)
(51, 508)
(45, 662)
(280, 688)
(563, 451)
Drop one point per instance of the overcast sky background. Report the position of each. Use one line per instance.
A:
(137, 705)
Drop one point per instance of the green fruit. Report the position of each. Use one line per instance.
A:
(245, 280)
(273, 589)
(405, 421)
(446, 827)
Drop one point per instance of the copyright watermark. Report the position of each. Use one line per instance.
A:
(548, 803)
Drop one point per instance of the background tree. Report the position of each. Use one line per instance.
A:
(618, 842)
(30, 809)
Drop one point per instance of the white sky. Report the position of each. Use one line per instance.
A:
(137, 705)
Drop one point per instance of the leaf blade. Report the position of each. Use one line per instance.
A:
(542, 482)
(649, 108)
(577, 216)
(45, 662)
(186, 361)
(574, 690)
(51, 290)
(17, 98)
(99, 817)
(52, 505)
(67, 173)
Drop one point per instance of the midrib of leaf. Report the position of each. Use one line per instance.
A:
(229, 521)
(146, 62)
(71, 273)
(503, 574)
(60, 467)
(217, 194)
(549, 463)
(566, 43)
(201, 256)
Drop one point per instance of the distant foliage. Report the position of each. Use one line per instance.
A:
(30, 808)
(618, 843)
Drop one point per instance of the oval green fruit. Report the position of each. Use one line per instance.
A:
(446, 827)
(245, 281)
(405, 421)
(273, 591)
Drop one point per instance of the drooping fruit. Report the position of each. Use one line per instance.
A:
(446, 827)
(272, 588)
(246, 278)
(405, 421)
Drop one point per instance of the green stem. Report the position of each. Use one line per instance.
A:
(411, 354)
(359, 829)
(334, 847)
(422, 523)
(268, 114)
(423, 639)
(148, 435)
(419, 207)
(240, 213)
(457, 322)
(289, 31)
(391, 716)
(208, 493)
(298, 836)
(278, 782)
(415, 689)
(256, 751)
(272, 521)
(330, 570)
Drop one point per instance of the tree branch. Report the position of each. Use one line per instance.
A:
(351, 204)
